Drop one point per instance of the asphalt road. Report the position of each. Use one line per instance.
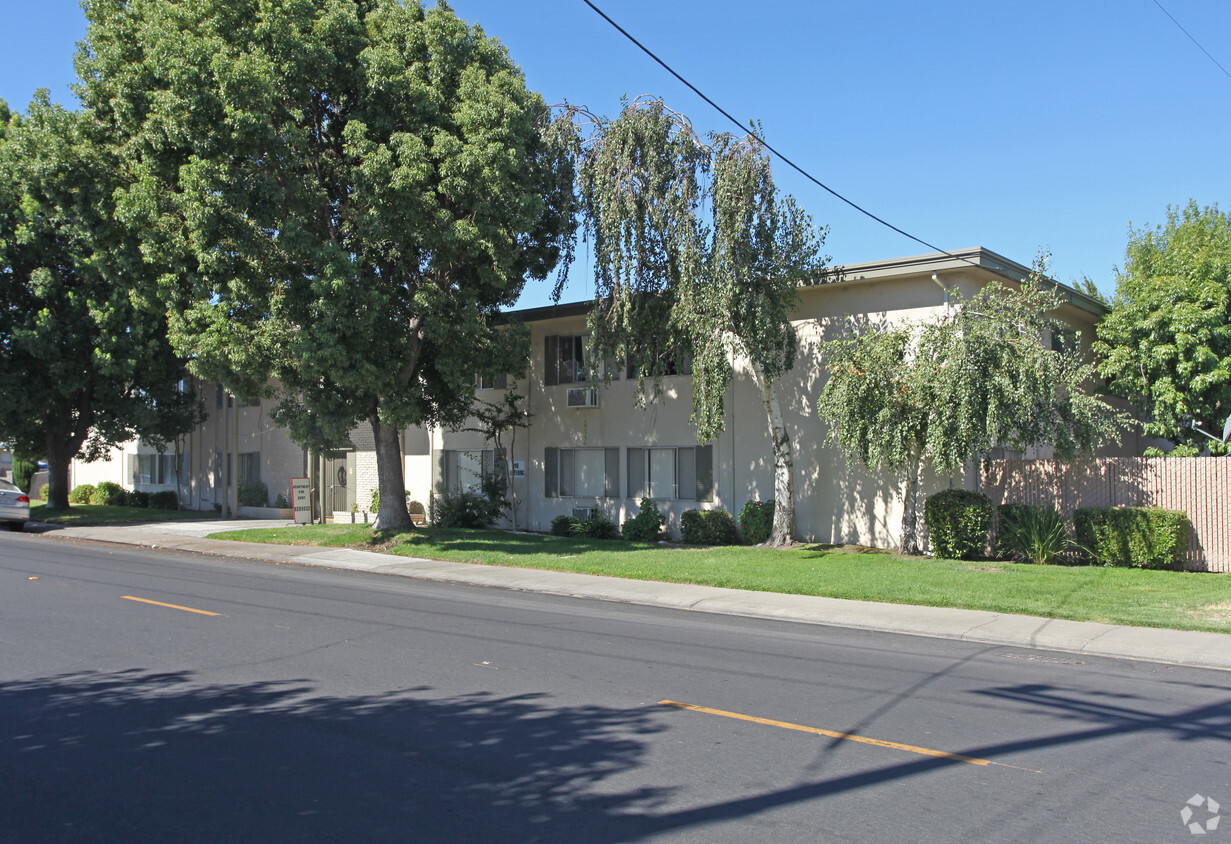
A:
(152, 696)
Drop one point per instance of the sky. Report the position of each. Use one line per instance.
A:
(1015, 126)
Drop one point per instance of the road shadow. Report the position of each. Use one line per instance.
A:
(138, 756)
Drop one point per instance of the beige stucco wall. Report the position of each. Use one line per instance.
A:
(835, 503)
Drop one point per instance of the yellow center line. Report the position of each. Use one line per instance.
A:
(926, 751)
(172, 606)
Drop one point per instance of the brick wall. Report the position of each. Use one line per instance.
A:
(1199, 486)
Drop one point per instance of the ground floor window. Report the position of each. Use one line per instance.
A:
(151, 469)
(581, 472)
(463, 470)
(685, 472)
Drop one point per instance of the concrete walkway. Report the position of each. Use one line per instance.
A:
(1205, 650)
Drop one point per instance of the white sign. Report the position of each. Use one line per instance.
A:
(301, 500)
(519, 468)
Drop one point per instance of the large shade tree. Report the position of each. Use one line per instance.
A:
(907, 396)
(1166, 345)
(84, 356)
(697, 255)
(341, 195)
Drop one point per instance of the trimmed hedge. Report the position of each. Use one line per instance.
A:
(756, 520)
(109, 493)
(708, 527)
(254, 494)
(138, 498)
(1135, 537)
(167, 499)
(81, 494)
(958, 522)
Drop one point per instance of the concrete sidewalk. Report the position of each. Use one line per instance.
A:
(1204, 650)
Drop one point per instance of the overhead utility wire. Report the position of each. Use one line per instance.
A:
(1190, 38)
(767, 145)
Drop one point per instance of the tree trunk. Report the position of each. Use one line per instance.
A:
(60, 452)
(910, 508)
(783, 530)
(393, 514)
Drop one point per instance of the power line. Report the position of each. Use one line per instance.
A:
(1194, 40)
(767, 145)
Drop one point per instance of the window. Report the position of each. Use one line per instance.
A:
(564, 360)
(685, 473)
(669, 362)
(498, 382)
(249, 467)
(149, 469)
(464, 470)
(581, 472)
(1065, 340)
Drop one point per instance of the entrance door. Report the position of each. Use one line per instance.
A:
(337, 488)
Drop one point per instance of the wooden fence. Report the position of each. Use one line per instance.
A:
(1198, 486)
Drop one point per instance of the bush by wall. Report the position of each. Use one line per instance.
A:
(595, 527)
(563, 525)
(464, 510)
(254, 494)
(958, 522)
(1137, 537)
(166, 499)
(756, 520)
(647, 525)
(110, 493)
(137, 498)
(81, 494)
(708, 527)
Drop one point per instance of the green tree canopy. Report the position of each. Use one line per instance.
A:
(341, 195)
(84, 356)
(903, 396)
(1166, 345)
(697, 256)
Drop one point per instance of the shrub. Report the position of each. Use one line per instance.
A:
(1031, 534)
(281, 503)
(23, 473)
(109, 493)
(44, 491)
(167, 499)
(958, 522)
(563, 525)
(138, 498)
(254, 494)
(1138, 537)
(647, 525)
(81, 494)
(708, 527)
(756, 520)
(415, 507)
(375, 505)
(463, 510)
(595, 527)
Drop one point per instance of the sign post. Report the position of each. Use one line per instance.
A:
(301, 500)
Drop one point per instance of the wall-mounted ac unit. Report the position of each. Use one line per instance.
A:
(585, 512)
(583, 397)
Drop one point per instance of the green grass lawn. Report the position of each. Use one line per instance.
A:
(82, 515)
(1178, 600)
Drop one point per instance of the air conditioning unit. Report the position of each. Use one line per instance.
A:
(583, 397)
(585, 513)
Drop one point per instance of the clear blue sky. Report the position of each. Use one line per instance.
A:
(1014, 126)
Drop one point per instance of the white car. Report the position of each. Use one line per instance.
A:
(14, 506)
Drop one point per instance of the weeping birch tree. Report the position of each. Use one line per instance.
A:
(907, 396)
(697, 256)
